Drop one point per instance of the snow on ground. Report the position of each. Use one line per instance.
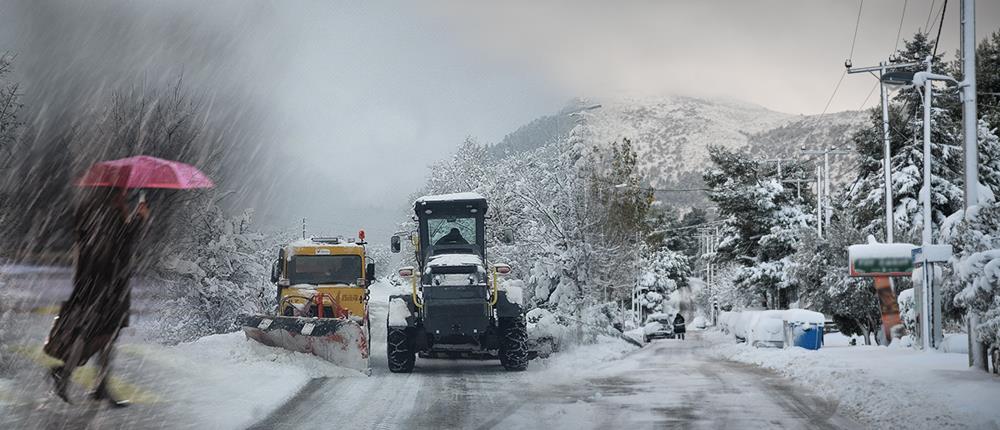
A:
(568, 363)
(228, 382)
(883, 387)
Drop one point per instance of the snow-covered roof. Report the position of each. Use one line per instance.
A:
(454, 260)
(310, 242)
(881, 250)
(451, 197)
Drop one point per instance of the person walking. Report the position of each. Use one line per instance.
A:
(88, 324)
(679, 328)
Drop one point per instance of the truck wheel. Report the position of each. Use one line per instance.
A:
(513, 344)
(399, 351)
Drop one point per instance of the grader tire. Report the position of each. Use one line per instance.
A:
(399, 350)
(513, 344)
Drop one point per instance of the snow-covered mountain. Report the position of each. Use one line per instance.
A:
(672, 134)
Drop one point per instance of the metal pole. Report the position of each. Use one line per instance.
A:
(886, 161)
(925, 195)
(969, 118)
(925, 191)
(977, 354)
(827, 210)
(819, 199)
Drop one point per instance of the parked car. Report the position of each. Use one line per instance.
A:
(658, 326)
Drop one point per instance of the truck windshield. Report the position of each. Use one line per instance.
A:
(452, 231)
(324, 269)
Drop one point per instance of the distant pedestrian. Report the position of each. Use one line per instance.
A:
(106, 231)
(679, 328)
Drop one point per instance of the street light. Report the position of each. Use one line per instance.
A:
(916, 80)
(883, 69)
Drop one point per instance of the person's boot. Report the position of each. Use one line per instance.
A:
(102, 393)
(60, 383)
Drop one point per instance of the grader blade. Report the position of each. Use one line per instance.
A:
(340, 341)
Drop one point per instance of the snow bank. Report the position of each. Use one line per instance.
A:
(567, 365)
(884, 387)
(229, 382)
(764, 326)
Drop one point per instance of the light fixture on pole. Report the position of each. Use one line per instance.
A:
(931, 335)
(883, 69)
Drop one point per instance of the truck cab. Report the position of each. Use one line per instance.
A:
(332, 269)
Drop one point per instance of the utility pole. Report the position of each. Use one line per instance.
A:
(977, 353)
(776, 160)
(798, 185)
(710, 241)
(825, 188)
(819, 200)
(882, 68)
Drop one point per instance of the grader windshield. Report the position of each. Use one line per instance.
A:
(324, 269)
(452, 231)
(451, 224)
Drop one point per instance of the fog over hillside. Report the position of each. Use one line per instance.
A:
(672, 135)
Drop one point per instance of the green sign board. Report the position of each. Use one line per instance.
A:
(879, 259)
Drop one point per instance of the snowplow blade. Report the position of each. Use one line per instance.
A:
(341, 342)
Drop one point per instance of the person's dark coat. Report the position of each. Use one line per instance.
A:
(99, 305)
(679, 324)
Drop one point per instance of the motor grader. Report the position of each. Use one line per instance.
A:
(457, 306)
(322, 301)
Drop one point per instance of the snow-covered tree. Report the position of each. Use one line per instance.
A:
(866, 198)
(820, 271)
(661, 272)
(761, 224)
(977, 264)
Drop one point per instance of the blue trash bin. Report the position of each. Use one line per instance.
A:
(808, 336)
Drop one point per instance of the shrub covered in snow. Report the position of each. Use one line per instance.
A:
(220, 271)
(977, 264)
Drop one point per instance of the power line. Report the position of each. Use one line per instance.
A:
(857, 25)
(900, 30)
(940, 26)
(825, 108)
(930, 13)
(869, 95)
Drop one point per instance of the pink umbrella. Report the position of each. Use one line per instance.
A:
(144, 172)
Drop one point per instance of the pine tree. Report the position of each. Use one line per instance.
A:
(761, 224)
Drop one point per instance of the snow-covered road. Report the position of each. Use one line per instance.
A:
(669, 383)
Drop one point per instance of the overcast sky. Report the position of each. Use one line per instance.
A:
(364, 95)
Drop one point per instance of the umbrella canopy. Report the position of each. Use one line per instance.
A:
(144, 172)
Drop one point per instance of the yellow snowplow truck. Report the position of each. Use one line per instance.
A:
(322, 301)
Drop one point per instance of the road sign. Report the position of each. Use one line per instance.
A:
(931, 254)
(881, 259)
